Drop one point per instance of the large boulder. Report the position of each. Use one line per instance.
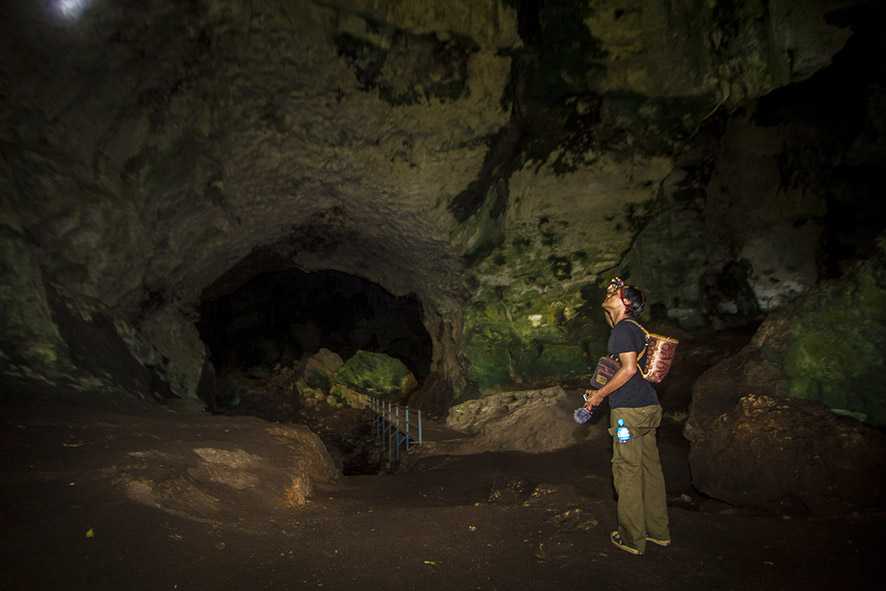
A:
(320, 369)
(533, 421)
(376, 374)
(835, 338)
(241, 470)
(807, 364)
(174, 335)
(785, 453)
(826, 346)
(344, 396)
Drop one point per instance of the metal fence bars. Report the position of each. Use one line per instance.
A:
(395, 426)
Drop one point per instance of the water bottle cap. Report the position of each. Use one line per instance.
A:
(621, 422)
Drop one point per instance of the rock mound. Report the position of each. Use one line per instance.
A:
(236, 471)
(826, 346)
(208, 477)
(822, 352)
(533, 421)
(320, 369)
(777, 452)
(376, 374)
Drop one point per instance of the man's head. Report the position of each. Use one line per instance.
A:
(624, 299)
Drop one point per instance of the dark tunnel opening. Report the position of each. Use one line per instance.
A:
(285, 316)
(286, 346)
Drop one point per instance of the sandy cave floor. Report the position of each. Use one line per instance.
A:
(486, 521)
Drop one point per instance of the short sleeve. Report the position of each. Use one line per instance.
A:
(624, 339)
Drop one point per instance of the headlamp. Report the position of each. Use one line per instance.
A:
(615, 284)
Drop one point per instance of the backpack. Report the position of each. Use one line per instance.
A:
(660, 351)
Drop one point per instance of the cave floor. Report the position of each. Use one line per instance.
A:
(484, 521)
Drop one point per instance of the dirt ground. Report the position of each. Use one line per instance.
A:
(484, 521)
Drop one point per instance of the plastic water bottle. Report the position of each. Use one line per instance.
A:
(582, 415)
(622, 432)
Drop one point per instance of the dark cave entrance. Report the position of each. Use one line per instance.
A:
(283, 317)
(266, 335)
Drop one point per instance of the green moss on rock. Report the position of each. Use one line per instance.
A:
(835, 350)
(376, 374)
(320, 369)
(487, 351)
(559, 361)
(28, 333)
(528, 341)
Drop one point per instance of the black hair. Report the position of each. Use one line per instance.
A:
(633, 299)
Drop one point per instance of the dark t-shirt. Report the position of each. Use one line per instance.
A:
(627, 336)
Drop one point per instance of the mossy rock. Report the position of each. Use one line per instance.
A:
(498, 357)
(348, 397)
(528, 340)
(320, 369)
(376, 374)
(554, 362)
(307, 392)
(489, 359)
(835, 349)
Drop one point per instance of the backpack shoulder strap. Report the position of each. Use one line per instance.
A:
(638, 325)
(645, 334)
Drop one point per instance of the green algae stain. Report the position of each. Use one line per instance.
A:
(375, 374)
(835, 355)
(42, 353)
(528, 342)
(561, 267)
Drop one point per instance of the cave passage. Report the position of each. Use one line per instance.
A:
(262, 335)
(281, 318)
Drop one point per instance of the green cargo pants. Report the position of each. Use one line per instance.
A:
(639, 482)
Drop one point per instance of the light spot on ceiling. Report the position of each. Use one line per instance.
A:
(71, 8)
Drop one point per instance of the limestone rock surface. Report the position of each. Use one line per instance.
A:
(237, 471)
(827, 346)
(495, 159)
(788, 454)
(806, 365)
(376, 374)
(533, 421)
(320, 368)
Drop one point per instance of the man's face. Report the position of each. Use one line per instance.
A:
(612, 301)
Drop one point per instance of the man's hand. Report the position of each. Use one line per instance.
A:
(593, 399)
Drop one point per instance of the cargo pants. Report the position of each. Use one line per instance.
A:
(639, 482)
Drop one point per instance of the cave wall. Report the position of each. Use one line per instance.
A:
(629, 152)
(149, 147)
(498, 159)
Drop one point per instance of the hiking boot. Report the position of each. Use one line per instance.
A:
(616, 540)
(658, 541)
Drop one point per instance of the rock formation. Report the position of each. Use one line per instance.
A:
(763, 412)
(788, 455)
(533, 421)
(494, 159)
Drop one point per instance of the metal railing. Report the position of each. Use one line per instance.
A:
(395, 427)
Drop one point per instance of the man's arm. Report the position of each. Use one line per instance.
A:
(626, 372)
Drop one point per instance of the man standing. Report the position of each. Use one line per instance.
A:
(636, 467)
